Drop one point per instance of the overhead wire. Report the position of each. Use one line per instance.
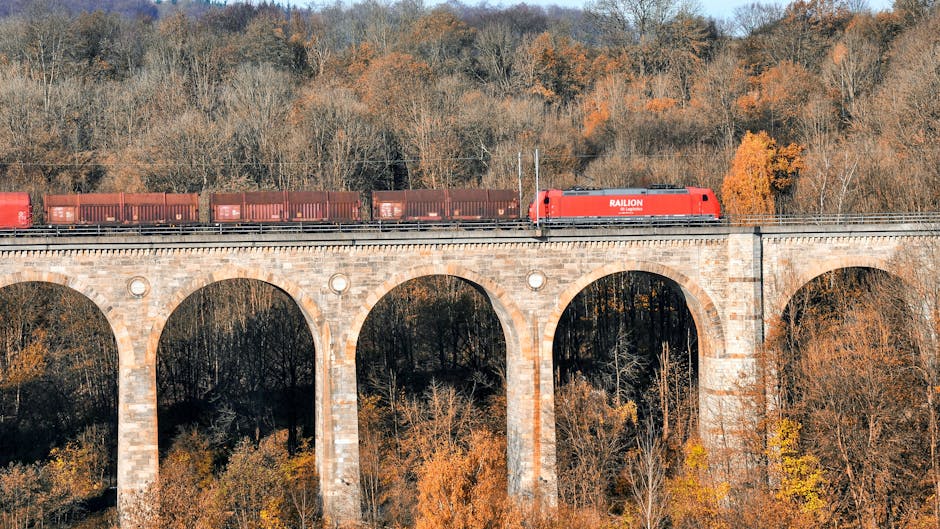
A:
(385, 161)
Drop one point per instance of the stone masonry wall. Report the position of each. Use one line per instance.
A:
(731, 279)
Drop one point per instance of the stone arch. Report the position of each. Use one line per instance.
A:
(319, 329)
(125, 345)
(311, 311)
(704, 312)
(525, 429)
(127, 360)
(510, 317)
(790, 286)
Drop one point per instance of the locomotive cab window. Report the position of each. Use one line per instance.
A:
(704, 198)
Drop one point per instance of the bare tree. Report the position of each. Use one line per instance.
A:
(634, 21)
(647, 468)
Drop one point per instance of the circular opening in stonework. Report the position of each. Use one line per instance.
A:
(535, 279)
(339, 283)
(138, 286)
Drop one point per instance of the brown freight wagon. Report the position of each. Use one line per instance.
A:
(285, 206)
(445, 204)
(122, 208)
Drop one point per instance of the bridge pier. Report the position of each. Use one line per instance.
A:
(729, 374)
(138, 457)
(530, 428)
(337, 418)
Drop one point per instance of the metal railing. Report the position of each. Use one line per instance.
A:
(488, 225)
(254, 229)
(834, 219)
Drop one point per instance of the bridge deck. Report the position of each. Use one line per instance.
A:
(138, 238)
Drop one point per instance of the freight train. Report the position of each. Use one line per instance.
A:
(551, 207)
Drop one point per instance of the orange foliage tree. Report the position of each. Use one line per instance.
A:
(391, 84)
(761, 172)
(559, 68)
(465, 488)
(777, 95)
(442, 39)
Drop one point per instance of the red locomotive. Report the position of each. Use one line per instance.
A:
(589, 205)
(16, 211)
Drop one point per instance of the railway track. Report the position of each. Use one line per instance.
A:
(492, 225)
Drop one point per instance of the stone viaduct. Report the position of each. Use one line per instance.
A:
(736, 281)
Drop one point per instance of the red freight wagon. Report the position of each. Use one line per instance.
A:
(445, 204)
(619, 204)
(15, 210)
(122, 208)
(285, 206)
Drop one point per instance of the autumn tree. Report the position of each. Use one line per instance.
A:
(407, 432)
(593, 437)
(442, 40)
(265, 40)
(303, 487)
(715, 93)
(495, 45)
(254, 484)
(429, 364)
(624, 401)
(761, 174)
(465, 487)
(255, 104)
(855, 63)
(646, 472)
(628, 21)
(922, 294)
(801, 33)
(336, 142)
(696, 496)
(901, 114)
(22, 491)
(555, 68)
(189, 491)
(687, 44)
(53, 491)
(849, 384)
(912, 11)
(776, 97)
(798, 477)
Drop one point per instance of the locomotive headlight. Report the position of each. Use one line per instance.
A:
(535, 279)
(138, 286)
(339, 283)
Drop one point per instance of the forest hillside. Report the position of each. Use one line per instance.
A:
(817, 106)
(193, 96)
